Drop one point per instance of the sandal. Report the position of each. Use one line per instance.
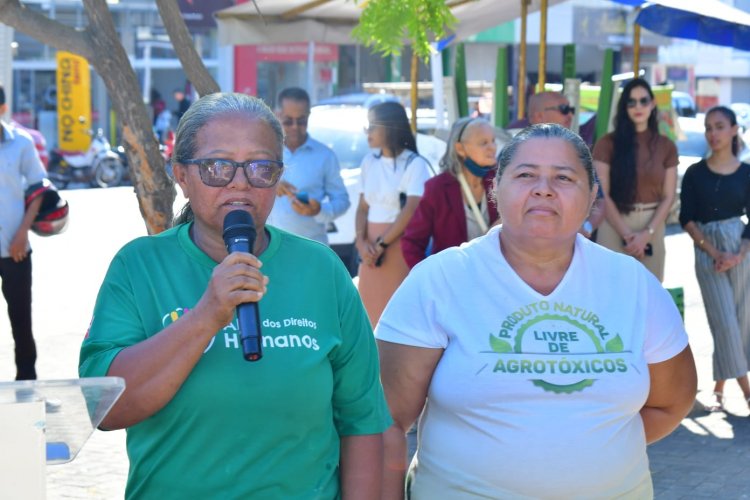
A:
(718, 405)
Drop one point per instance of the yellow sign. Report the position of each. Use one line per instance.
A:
(73, 102)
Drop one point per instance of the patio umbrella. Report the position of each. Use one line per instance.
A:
(707, 21)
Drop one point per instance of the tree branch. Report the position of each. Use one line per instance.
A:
(183, 45)
(44, 29)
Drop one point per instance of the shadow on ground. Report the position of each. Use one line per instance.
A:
(706, 457)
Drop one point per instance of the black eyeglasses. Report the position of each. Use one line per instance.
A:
(289, 122)
(219, 172)
(564, 109)
(643, 101)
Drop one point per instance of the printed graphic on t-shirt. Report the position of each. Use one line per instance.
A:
(285, 333)
(557, 346)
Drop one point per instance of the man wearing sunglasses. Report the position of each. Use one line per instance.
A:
(550, 107)
(311, 192)
(554, 107)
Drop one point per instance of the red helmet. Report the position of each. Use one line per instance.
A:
(53, 212)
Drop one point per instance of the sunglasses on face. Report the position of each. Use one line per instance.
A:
(564, 109)
(370, 128)
(218, 172)
(289, 122)
(643, 101)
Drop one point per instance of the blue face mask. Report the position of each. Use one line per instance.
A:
(475, 168)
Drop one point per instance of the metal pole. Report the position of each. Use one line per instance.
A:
(605, 95)
(462, 92)
(357, 68)
(521, 107)
(414, 94)
(311, 71)
(147, 73)
(542, 47)
(636, 45)
(438, 98)
(500, 112)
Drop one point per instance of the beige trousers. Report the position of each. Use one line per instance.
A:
(637, 220)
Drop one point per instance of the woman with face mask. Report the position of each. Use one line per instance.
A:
(455, 207)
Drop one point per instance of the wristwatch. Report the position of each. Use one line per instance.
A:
(382, 244)
(650, 230)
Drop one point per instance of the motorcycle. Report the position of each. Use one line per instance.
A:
(164, 149)
(98, 165)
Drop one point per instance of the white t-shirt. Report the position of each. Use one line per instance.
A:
(535, 396)
(382, 182)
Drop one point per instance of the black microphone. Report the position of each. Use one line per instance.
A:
(239, 236)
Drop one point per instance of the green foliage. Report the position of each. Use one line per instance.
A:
(386, 24)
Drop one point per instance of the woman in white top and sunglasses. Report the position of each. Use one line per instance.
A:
(637, 170)
(198, 415)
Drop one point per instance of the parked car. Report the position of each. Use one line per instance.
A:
(341, 127)
(683, 104)
(691, 148)
(39, 142)
(364, 99)
(742, 111)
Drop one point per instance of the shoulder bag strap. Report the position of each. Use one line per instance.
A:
(472, 203)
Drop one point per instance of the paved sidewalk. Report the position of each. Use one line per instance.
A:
(707, 457)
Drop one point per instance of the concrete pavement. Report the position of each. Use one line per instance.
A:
(707, 457)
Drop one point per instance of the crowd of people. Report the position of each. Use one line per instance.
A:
(483, 313)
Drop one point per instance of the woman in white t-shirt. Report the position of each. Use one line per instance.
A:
(391, 184)
(546, 362)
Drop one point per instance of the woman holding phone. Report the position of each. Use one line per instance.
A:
(637, 171)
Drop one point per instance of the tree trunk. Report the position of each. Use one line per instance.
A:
(99, 43)
(153, 187)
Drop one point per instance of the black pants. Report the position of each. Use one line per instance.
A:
(16, 286)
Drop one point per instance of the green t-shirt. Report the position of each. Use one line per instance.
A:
(236, 429)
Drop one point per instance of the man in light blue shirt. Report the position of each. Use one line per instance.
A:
(311, 192)
(20, 167)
